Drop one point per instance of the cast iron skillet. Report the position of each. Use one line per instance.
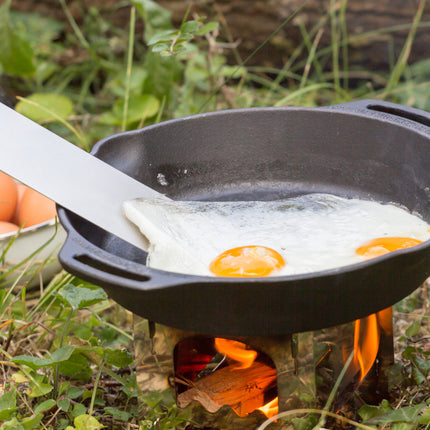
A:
(367, 149)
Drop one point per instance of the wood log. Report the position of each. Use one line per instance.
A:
(241, 389)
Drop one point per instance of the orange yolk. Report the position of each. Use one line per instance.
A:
(377, 247)
(247, 261)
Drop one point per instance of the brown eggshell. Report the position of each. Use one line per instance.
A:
(35, 208)
(7, 227)
(8, 197)
(20, 188)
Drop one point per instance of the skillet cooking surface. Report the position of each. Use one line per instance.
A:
(367, 149)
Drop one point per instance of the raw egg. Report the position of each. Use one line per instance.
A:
(247, 261)
(20, 188)
(7, 227)
(8, 197)
(307, 234)
(383, 245)
(35, 208)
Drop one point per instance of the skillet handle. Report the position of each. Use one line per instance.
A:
(392, 112)
(86, 264)
(125, 281)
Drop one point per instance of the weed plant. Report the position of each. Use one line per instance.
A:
(66, 349)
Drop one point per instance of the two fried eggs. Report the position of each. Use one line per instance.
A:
(299, 235)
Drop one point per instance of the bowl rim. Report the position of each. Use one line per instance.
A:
(27, 230)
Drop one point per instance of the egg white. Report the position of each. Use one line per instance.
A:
(312, 232)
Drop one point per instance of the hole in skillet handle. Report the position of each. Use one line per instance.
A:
(411, 114)
(104, 267)
(418, 116)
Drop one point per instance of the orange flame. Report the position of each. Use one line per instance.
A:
(366, 344)
(385, 319)
(236, 351)
(244, 357)
(270, 409)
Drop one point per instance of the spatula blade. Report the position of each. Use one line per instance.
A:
(69, 175)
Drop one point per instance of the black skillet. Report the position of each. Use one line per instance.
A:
(367, 149)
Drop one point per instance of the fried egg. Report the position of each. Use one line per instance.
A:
(270, 238)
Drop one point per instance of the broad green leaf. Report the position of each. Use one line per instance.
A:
(117, 414)
(207, 28)
(140, 107)
(403, 426)
(45, 107)
(155, 17)
(117, 83)
(76, 367)
(413, 329)
(65, 385)
(190, 26)
(422, 364)
(162, 47)
(40, 389)
(305, 423)
(163, 36)
(30, 423)
(44, 406)
(19, 378)
(408, 414)
(419, 377)
(61, 354)
(16, 54)
(425, 417)
(118, 358)
(7, 404)
(13, 424)
(87, 422)
(143, 106)
(367, 412)
(78, 409)
(81, 297)
(38, 29)
(64, 404)
(75, 392)
(164, 76)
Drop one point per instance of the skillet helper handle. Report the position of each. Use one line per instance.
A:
(390, 111)
(78, 261)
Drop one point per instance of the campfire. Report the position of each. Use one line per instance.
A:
(236, 376)
(246, 380)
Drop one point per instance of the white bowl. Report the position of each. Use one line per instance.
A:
(31, 254)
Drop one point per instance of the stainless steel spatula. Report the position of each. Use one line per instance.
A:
(68, 175)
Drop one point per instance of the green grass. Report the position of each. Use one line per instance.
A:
(66, 355)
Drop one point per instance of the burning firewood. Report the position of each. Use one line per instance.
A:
(241, 389)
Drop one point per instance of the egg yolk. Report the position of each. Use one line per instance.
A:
(380, 246)
(247, 261)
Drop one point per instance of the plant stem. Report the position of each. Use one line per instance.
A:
(397, 72)
(63, 335)
(344, 44)
(59, 119)
(253, 53)
(321, 421)
(129, 67)
(334, 43)
(96, 383)
(75, 27)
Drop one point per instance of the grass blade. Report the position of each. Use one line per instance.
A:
(129, 67)
(397, 72)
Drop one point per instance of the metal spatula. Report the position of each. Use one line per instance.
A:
(68, 175)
